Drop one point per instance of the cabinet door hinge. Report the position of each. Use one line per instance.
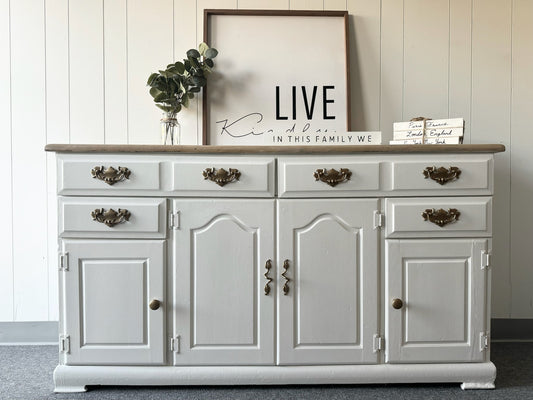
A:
(483, 341)
(174, 220)
(485, 259)
(379, 343)
(63, 261)
(175, 344)
(379, 220)
(64, 344)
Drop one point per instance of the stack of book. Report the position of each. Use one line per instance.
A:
(429, 131)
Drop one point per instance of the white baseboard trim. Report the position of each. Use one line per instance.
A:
(28, 333)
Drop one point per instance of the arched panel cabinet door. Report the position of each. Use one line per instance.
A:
(221, 311)
(328, 312)
(109, 291)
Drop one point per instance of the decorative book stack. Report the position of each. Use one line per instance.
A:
(429, 131)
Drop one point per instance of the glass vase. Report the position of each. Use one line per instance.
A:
(170, 129)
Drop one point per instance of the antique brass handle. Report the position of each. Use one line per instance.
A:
(221, 176)
(286, 284)
(268, 265)
(154, 304)
(397, 304)
(111, 175)
(441, 217)
(442, 174)
(110, 217)
(332, 177)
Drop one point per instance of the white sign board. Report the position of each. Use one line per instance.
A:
(281, 78)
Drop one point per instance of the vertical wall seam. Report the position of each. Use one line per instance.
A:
(11, 160)
(68, 77)
(47, 218)
(471, 69)
(199, 126)
(403, 59)
(380, 59)
(127, 77)
(449, 52)
(509, 238)
(103, 68)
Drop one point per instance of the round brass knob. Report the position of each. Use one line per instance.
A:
(154, 304)
(397, 304)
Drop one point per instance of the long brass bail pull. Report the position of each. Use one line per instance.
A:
(268, 266)
(287, 280)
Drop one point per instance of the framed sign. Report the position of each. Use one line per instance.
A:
(281, 78)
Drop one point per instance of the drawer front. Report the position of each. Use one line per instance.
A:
(107, 175)
(327, 176)
(439, 217)
(112, 217)
(223, 176)
(459, 173)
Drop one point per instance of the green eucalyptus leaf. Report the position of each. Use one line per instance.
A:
(185, 101)
(211, 53)
(202, 47)
(195, 89)
(209, 63)
(180, 67)
(152, 78)
(199, 81)
(193, 53)
(155, 92)
(190, 94)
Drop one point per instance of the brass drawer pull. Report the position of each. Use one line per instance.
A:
(221, 176)
(154, 304)
(397, 304)
(332, 177)
(441, 217)
(442, 174)
(287, 280)
(111, 175)
(110, 217)
(268, 265)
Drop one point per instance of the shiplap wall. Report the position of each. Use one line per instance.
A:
(75, 72)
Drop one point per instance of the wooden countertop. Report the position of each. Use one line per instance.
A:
(198, 149)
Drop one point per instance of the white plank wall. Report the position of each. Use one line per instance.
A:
(76, 73)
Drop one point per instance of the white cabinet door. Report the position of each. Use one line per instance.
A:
(329, 314)
(441, 283)
(108, 288)
(221, 312)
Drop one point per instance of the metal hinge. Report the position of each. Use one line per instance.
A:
(379, 220)
(174, 220)
(63, 261)
(379, 343)
(175, 344)
(64, 344)
(483, 341)
(485, 259)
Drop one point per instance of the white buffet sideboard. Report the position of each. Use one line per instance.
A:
(206, 265)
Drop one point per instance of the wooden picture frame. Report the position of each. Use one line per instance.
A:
(281, 78)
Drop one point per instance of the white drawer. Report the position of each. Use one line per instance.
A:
(223, 176)
(327, 177)
(107, 175)
(84, 217)
(458, 173)
(412, 217)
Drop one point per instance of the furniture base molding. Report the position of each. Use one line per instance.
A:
(76, 378)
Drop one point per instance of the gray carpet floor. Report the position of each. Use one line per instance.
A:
(26, 373)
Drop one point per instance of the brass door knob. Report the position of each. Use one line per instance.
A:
(397, 304)
(154, 304)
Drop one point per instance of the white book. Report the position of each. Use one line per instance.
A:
(445, 123)
(447, 140)
(406, 141)
(411, 134)
(446, 132)
(408, 125)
